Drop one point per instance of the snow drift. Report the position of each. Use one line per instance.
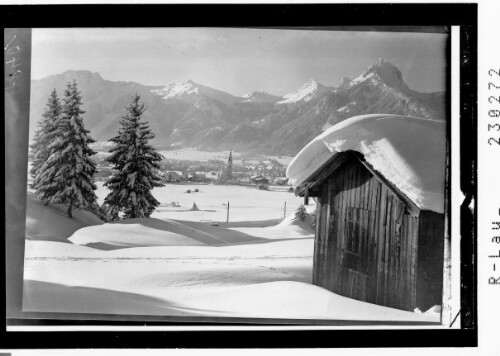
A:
(50, 222)
(291, 227)
(297, 300)
(407, 151)
(260, 280)
(142, 233)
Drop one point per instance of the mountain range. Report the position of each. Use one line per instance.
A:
(190, 114)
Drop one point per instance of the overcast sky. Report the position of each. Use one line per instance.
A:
(238, 60)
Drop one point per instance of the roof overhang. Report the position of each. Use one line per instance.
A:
(310, 187)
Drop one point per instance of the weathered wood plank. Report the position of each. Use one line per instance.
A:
(387, 253)
(325, 234)
(393, 252)
(356, 186)
(331, 233)
(414, 254)
(317, 238)
(381, 244)
(374, 274)
(402, 272)
(337, 252)
(390, 259)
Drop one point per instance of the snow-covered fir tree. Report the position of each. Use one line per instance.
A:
(66, 177)
(137, 165)
(45, 135)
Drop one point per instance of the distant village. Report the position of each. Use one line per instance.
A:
(259, 172)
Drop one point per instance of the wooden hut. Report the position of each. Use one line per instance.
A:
(373, 243)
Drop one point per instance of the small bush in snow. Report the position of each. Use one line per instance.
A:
(196, 190)
(301, 213)
(188, 191)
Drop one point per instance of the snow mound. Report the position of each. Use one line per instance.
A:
(293, 300)
(142, 233)
(292, 227)
(294, 220)
(409, 152)
(59, 250)
(255, 250)
(50, 222)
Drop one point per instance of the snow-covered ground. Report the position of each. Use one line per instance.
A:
(40, 221)
(246, 203)
(190, 268)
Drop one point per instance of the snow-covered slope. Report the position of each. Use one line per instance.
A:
(291, 227)
(50, 222)
(309, 90)
(408, 151)
(190, 91)
(259, 280)
(260, 97)
(142, 233)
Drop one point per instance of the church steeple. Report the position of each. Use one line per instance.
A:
(229, 169)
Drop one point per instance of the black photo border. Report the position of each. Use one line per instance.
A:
(314, 16)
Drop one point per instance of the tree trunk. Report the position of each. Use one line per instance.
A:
(69, 212)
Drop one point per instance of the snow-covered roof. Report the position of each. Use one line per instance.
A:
(407, 151)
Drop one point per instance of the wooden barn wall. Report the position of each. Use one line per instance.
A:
(430, 260)
(388, 240)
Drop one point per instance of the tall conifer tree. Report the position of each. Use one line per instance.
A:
(136, 163)
(67, 175)
(45, 135)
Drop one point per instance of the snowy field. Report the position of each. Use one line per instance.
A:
(162, 267)
(247, 203)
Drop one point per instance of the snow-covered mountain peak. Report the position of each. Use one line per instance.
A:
(177, 90)
(309, 90)
(311, 81)
(191, 91)
(385, 72)
(261, 97)
(344, 81)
